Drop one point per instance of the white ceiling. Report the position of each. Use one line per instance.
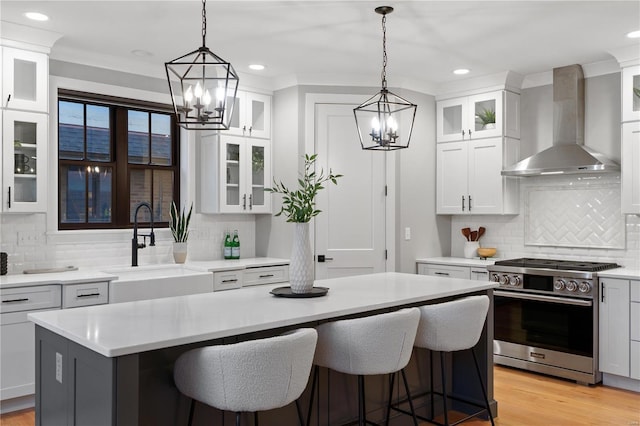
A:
(341, 41)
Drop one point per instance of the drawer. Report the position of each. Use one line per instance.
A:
(447, 271)
(479, 274)
(635, 321)
(85, 294)
(635, 291)
(266, 275)
(226, 280)
(30, 298)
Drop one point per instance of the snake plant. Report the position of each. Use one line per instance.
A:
(179, 223)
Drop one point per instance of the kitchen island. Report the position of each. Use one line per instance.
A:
(112, 364)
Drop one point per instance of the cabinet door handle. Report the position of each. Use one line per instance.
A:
(266, 276)
(462, 134)
(446, 274)
(230, 281)
(463, 203)
(25, 299)
(244, 202)
(469, 202)
(602, 292)
(250, 130)
(244, 129)
(469, 133)
(250, 201)
(88, 295)
(8, 99)
(9, 199)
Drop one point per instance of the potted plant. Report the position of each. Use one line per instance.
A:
(487, 117)
(179, 225)
(299, 206)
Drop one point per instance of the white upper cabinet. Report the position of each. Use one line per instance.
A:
(469, 179)
(24, 160)
(234, 172)
(25, 75)
(631, 167)
(631, 93)
(478, 116)
(251, 115)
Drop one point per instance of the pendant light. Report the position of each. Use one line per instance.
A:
(379, 118)
(203, 87)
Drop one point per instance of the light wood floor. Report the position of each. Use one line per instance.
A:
(523, 399)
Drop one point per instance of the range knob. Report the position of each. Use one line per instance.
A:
(504, 280)
(514, 280)
(495, 278)
(572, 285)
(559, 285)
(584, 287)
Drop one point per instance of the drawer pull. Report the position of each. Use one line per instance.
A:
(88, 295)
(266, 276)
(480, 272)
(442, 273)
(26, 299)
(230, 281)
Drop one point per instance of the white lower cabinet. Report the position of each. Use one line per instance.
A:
(614, 327)
(227, 280)
(635, 330)
(266, 275)
(85, 294)
(446, 271)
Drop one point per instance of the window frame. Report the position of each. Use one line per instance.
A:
(120, 197)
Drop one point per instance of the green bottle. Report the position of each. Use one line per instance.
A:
(235, 246)
(227, 245)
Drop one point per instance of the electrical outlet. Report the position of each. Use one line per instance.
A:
(29, 238)
(59, 367)
(407, 233)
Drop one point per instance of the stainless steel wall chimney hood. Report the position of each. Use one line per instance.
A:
(568, 155)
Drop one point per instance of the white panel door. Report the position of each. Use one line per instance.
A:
(614, 326)
(350, 231)
(452, 172)
(485, 180)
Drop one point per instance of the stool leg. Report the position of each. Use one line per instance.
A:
(313, 391)
(431, 382)
(406, 388)
(362, 411)
(255, 418)
(238, 419)
(300, 419)
(484, 392)
(392, 377)
(444, 388)
(191, 410)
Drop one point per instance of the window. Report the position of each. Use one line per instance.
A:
(113, 154)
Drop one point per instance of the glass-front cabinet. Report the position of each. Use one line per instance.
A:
(24, 161)
(24, 79)
(234, 173)
(251, 115)
(631, 93)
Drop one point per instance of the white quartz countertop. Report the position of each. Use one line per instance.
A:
(68, 277)
(457, 261)
(127, 328)
(622, 273)
(88, 275)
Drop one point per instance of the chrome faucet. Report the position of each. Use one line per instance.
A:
(134, 241)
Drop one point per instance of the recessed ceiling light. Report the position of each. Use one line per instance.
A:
(256, 67)
(461, 71)
(141, 53)
(634, 34)
(36, 16)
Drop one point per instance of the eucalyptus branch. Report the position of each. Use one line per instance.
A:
(299, 205)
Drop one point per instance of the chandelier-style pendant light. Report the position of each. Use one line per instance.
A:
(203, 87)
(379, 117)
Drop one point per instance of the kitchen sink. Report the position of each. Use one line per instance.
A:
(156, 281)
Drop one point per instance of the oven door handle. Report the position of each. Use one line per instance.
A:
(542, 298)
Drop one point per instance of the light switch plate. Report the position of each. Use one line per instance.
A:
(407, 233)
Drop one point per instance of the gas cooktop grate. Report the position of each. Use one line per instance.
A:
(564, 265)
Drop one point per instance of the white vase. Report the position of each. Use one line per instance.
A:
(470, 248)
(179, 252)
(489, 126)
(301, 262)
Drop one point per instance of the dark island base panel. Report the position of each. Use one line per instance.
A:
(76, 386)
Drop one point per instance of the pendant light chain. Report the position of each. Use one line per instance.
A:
(384, 51)
(204, 22)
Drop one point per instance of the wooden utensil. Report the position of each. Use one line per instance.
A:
(474, 235)
(466, 232)
(480, 232)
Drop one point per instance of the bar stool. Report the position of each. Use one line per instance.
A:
(378, 344)
(250, 376)
(450, 327)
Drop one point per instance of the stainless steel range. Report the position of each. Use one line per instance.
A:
(546, 316)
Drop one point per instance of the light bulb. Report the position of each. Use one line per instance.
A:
(188, 95)
(375, 124)
(198, 91)
(392, 124)
(206, 98)
(220, 92)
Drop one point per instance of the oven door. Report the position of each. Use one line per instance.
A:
(559, 324)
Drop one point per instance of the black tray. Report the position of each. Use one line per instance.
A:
(286, 292)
